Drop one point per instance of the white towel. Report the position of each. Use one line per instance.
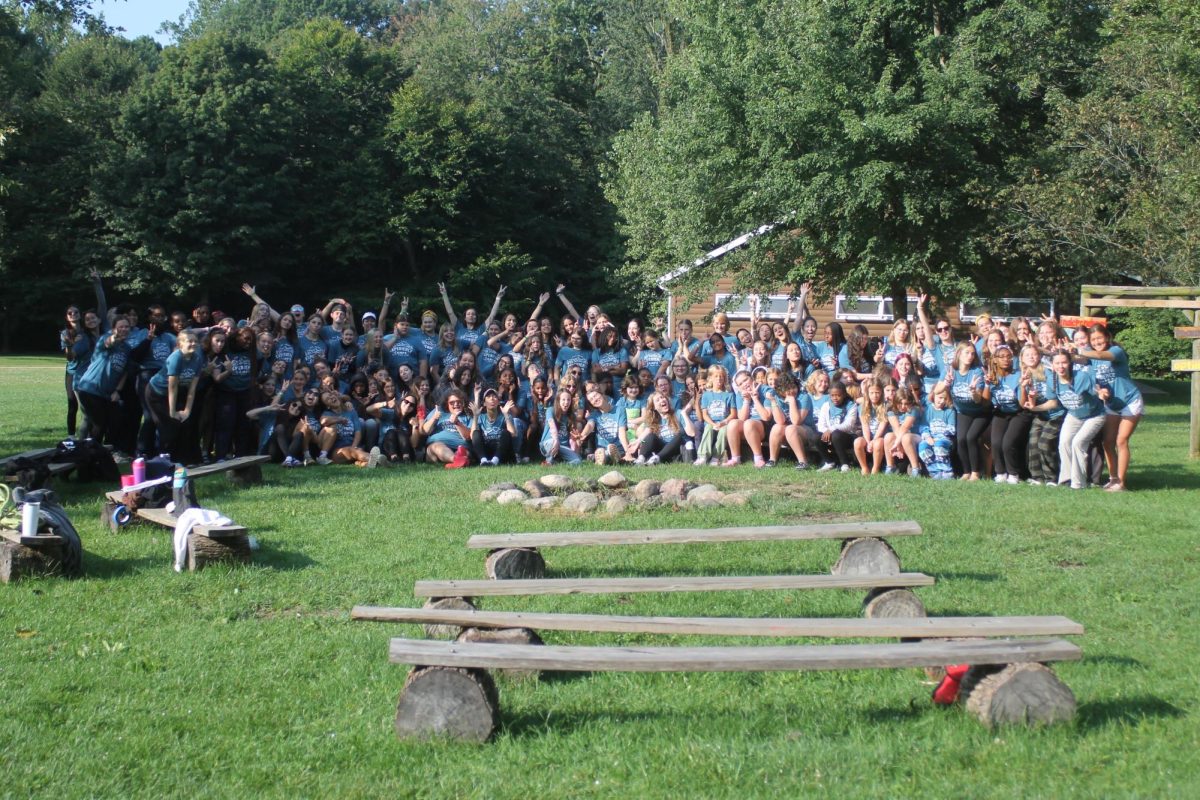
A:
(183, 526)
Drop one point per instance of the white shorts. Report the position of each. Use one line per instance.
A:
(1133, 408)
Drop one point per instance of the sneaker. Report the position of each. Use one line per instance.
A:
(308, 461)
(1034, 482)
(828, 465)
(732, 462)
(845, 467)
(1115, 487)
(652, 460)
(614, 454)
(324, 460)
(759, 463)
(640, 460)
(1013, 480)
(714, 462)
(523, 460)
(495, 461)
(889, 470)
(913, 472)
(770, 462)
(1051, 485)
(1001, 477)
(288, 462)
(801, 466)
(699, 462)
(485, 462)
(461, 457)
(373, 459)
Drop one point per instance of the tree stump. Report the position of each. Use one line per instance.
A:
(868, 556)
(515, 563)
(1020, 694)
(505, 636)
(883, 603)
(203, 550)
(17, 561)
(108, 517)
(446, 632)
(448, 702)
(246, 476)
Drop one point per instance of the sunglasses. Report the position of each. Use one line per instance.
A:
(942, 328)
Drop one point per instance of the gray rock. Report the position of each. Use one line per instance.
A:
(674, 490)
(616, 504)
(614, 480)
(654, 501)
(536, 488)
(704, 488)
(581, 502)
(510, 496)
(502, 487)
(541, 503)
(735, 499)
(558, 483)
(488, 495)
(646, 489)
(707, 500)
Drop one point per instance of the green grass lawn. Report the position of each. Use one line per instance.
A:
(252, 681)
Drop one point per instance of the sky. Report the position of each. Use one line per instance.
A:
(140, 17)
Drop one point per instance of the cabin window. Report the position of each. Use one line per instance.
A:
(1005, 309)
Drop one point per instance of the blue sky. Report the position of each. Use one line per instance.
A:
(140, 17)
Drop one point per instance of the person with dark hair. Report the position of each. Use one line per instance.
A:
(972, 406)
(492, 430)
(1123, 404)
(832, 351)
(1075, 391)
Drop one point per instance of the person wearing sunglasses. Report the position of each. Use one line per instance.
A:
(448, 427)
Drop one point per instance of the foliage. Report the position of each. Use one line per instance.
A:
(875, 135)
(263, 20)
(1148, 336)
(1119, 192)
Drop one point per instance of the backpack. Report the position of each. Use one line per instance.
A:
(93, 463)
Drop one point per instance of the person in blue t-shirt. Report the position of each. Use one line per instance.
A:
(716, 352)
(312, 345)
(937, 430)
(1123, 404)
(575, 353)
(610, 360)
(492, 430)
(341, 430)
(1041, 454)
(832, 352)
(99, 388)
(1075, 391)
(652, 356)
(470, 328)
(752, 419)
(663, 432)
(1010, 423)
(171, 397)
(791, 409)
(972, 406)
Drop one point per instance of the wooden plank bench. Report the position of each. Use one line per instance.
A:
(22, 556)
(864, 551)
(449, 691)
(55, 469)
(795, 627)
(207, 544)
(888, 595)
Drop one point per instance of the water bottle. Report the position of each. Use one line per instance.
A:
(179, 492)
(139, 470)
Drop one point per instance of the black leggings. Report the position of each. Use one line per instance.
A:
(503, 447)
(839, 449)
(232, 431)
(287, 440)
(667, 451)
(99, 412)
(174, 437)
(72, 405)
(396, 444)
(970, 432)
(1010, 439)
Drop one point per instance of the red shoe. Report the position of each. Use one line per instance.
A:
(461, 457)
(947, 691)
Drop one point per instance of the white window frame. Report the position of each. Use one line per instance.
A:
(970, 319)
(743, 312)
(861, 312)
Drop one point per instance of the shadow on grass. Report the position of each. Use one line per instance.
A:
(281, 560)
(1156, 478)
(1128, 711)
(98, 567)
(980, 577)
(1120, 661)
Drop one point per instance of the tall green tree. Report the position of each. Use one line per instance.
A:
(1119, 192)
(876, 136)
(263, 20)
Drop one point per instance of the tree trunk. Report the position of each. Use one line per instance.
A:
(203, 551)
(899, 300)
(505, 636)
(884, 603)
(515, 563)
(868, 556)
(1022, 694)
(447, 702)
(446, 632)
(17, 561)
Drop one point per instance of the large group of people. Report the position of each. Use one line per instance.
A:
(1016, 401)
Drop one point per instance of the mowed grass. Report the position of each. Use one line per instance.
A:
(252, 681)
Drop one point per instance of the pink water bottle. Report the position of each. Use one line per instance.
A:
(139, 470)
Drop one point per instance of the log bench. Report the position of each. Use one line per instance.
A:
(244, 471)
(54, 468)
(207, 544)
(863, 550)
(450, 693)
(22, 556)
(888, 595)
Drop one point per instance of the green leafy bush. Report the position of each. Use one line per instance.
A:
(1148, 336)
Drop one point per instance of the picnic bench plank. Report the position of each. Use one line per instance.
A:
(232, 464)
(763, 533)
(462, 588)
(160, 516)
(732, 626)
(425, 652)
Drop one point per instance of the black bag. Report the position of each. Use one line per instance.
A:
(93, 463)
(30, 473)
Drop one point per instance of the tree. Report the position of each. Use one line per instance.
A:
(1119, 192)
(262, 20)
(875, 135)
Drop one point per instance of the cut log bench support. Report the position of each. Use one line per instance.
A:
(515, 555)
(207, 544)
(26, 556)
(449, 692)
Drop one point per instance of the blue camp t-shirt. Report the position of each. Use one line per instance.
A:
(490, 428)
(311, 350)
(1114, 376)
(1078, 397)
(940, 423)
(241, 372)
(1005, 396)
(962, 389)
(719, 405)
(652, 359)
(104, 372)
(185, 370)
(831, 362)
(608, 425)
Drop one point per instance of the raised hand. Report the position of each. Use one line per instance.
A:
(442, 288)
(388, 295)
(805, 288)
(94, 273)
(559, 289)
(248, 290)
(501, 291)
(543, 298)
